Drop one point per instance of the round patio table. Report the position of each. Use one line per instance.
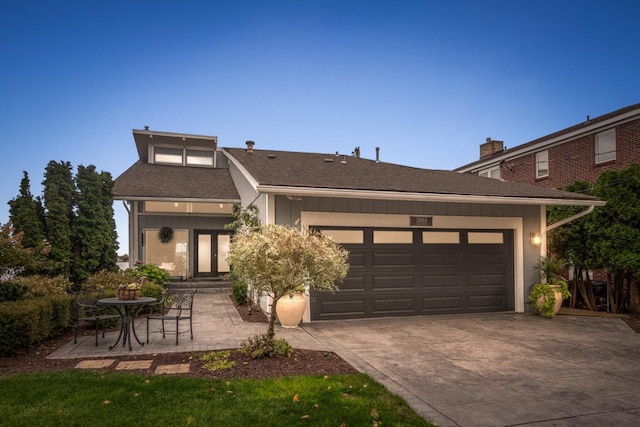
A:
(128, 308)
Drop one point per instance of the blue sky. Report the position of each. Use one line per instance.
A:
(426, 81)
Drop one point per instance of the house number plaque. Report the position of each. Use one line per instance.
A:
(421, 221)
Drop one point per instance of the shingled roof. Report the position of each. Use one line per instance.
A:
(144, 181)
(295, 170)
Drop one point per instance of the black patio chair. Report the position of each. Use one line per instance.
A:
(87, 310)
(176, 306)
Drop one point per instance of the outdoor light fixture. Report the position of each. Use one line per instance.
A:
(535, 239)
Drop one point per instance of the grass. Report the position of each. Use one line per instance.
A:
(78, 398)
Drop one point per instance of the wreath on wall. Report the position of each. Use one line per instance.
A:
(165, 234)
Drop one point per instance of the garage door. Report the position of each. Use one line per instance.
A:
(403, 272)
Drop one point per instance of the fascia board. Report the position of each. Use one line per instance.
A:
(423, 197)
(252, 181)
(173, 199)
(550, 142)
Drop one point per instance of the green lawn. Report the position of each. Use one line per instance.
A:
(88, 398)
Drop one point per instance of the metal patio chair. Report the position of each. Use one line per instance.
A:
(176, 306)
(87, 310)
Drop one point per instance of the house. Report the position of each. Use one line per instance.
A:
(580, 152)
(421, 241)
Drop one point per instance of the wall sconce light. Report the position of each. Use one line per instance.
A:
(535, 239)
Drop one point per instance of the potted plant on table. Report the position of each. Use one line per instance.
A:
(548, 294)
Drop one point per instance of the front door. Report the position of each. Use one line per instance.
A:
(212, 250)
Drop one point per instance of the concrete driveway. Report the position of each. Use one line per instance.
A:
(499, 369)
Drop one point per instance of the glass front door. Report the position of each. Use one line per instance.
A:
(212, 250)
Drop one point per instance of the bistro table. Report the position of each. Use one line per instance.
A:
(128, 308)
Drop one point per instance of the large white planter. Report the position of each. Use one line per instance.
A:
(557, 304)
(290, 309)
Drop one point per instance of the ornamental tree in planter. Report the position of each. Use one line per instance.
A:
(547, 296)
(277, 260)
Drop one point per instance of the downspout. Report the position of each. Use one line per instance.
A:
(571, 218)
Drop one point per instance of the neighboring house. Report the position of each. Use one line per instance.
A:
(420, 241)
(580, 152)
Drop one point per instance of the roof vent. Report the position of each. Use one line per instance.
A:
(377, 154)
(271, 156)
(344, 160)
(328, 160)
(250, 145)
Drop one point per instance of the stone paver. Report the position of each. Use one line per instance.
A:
(95, 364)
(180, 368)
(134, 364)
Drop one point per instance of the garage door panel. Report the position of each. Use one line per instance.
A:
(486, 279)
(393, 260)
(356, 260)
(395, 283)
(357, 283)
(486, 259)
(442, 304)
(340, 309)
(442, 281)
(392, 305)
(441, 259)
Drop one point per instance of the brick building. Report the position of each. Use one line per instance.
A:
(580, 152)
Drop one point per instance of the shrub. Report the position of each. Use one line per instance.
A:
(262, 346)
(149, 289)
(40, 286)
(109, 280)
(217, 360)
(12, 291)
(153, 273)
(239, 292)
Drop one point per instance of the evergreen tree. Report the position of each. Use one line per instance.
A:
(59, 197)
(24, 214)
(94, 233)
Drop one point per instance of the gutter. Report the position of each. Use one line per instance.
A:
(571, 218)
(431, 197)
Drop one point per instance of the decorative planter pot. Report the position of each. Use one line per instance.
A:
(290, 309)
(128, 294)
(557, 304)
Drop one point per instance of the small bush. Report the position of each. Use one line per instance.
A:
(217, 360)
(261, 346)
(239, 292)
(153, 273)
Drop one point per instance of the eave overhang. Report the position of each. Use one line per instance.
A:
(422, 197)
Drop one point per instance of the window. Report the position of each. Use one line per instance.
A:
(199, 158)
(171, 256)
(394, 237)
(542, 164)
(167, 155)
(491, 173)
(440, 237)
(606, 146)
(345, 236)
(485, 238)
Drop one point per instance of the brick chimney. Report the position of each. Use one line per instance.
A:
(490, 148)
(250, 145)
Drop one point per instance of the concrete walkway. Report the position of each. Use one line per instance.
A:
(457, 370)
(216, 326)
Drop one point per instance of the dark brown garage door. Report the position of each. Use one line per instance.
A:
(398, 272)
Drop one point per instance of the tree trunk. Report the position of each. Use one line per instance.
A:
(634, 296)
(272, 320)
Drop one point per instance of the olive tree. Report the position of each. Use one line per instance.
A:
(278, 260)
